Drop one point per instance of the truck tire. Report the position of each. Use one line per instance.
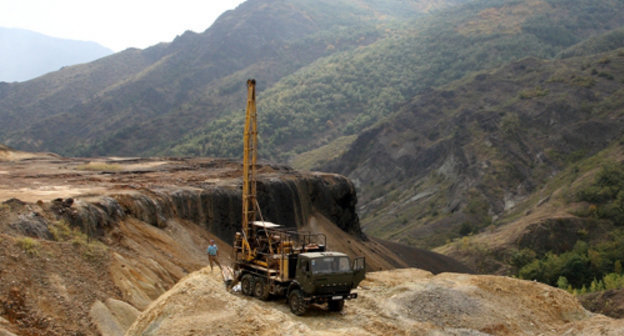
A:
(261, 289)
(247, 284)
(335, 305)
(297, 303)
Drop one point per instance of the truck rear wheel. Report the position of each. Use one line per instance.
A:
(246, 284)
(336, 305)
(297, 303)
(261, 289)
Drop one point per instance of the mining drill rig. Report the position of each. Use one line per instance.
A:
(271, 260)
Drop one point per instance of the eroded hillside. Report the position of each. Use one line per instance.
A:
(562, 234)
(459, 158)
(84, 242)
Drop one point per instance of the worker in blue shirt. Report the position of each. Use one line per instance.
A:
(213, 254)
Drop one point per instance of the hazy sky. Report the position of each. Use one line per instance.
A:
(116, 24)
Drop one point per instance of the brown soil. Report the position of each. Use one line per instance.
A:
(398, 302)
(60, 278)
(49, 285)
(32, 177)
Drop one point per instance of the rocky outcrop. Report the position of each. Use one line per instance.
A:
(114, 317)
(288, 201)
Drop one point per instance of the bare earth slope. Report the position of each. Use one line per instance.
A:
(398, 302)
(86, 244)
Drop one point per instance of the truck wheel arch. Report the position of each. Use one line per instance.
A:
(293, 286)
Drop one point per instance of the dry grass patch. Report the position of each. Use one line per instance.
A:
(315, 157)
(91, 248)
(29, 245)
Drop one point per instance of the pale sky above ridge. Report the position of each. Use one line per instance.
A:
(115, 24)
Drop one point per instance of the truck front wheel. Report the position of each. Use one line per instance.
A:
(297, 303)
(336, 305)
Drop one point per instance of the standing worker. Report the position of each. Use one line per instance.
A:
(213, 254)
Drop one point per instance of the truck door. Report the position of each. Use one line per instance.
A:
(359, 270)
(304, 275)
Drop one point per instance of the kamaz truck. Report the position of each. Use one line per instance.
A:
(271, 260)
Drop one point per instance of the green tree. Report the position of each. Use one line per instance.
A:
(562, 282)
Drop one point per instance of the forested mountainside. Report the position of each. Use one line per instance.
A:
(141, 102)
(456, 158)
(343, 93)
(450, 116)
(325, 69)
(516, 170)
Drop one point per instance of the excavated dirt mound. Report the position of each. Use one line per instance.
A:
(398, 302)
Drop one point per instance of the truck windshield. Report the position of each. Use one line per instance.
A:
(330, 265)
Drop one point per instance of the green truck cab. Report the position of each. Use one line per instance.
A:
(324, 277)
(296, 265)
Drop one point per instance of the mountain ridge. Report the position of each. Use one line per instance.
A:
(27, 54)
(179, 82)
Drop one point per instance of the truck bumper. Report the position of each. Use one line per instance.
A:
(325, 298)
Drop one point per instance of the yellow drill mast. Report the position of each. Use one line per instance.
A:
(250, 153)
(271, 260)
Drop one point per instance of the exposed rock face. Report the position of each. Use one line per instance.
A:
(114, 317)
(288, 200)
